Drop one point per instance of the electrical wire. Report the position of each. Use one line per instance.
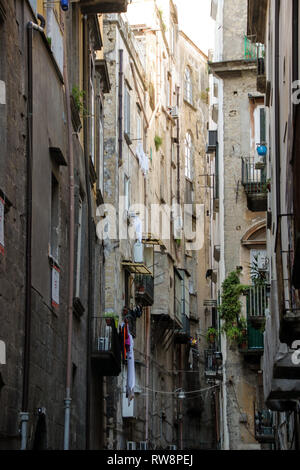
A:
(176, 392)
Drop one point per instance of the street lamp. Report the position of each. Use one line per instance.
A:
(181, 394)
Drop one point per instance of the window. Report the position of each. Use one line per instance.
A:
(101, 152)
(54, 242)
(262, 123)
(188, 87)
(92, 117)
(127, 193)
(172, 38)
(139, 125)
(127, 111)
(54, 32)
(188, 156)
(169, 92)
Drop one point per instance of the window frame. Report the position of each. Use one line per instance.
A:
(189, 157)
(188, 85)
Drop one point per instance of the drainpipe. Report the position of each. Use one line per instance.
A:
(90, 231)
(180, 401)
(120, 117)
(147, 371)
(24, 415)
(178, 150)
(277, 111)
(68, 398)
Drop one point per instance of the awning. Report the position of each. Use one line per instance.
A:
(136, 268)
(149, 239)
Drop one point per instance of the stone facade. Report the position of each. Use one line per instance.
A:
(238, 105)
(154, 55)
(33, 380)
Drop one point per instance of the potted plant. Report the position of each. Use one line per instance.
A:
(211, 335)
(111, 316)
(234, 334)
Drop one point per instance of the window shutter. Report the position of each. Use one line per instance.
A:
(262, 125)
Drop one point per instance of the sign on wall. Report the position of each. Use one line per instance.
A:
(55, 286)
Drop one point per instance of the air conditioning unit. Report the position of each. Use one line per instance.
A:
(174, 112)
(103, 343)
(131, 445)
(143, 445)
(211, 147)
(172, 447)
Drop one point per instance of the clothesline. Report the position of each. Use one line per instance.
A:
(175, 392)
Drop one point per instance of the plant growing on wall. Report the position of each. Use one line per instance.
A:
(178, 241)
(78, 96)
(157, 142)
(258, 274)
(230, 308)
(266, 186)
(164, 27)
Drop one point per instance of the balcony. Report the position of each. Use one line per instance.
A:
(257, 11)
(257, 302)
(253, 50)
(213, 364)
(182, 335)
(253, 345)
(255, 184)
(264, 429)
(106, 351)
(103, 6)
(144, 289)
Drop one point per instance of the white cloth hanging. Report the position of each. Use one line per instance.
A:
(130, 372)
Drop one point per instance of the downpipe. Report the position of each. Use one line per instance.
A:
(68, 399)
(24, 414)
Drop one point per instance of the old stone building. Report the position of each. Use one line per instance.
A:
(237, 135)
(105, 222)
(276, 25)
(52, 91)
(154, 153)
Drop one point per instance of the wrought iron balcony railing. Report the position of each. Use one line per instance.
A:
(106, 348)
(264, 429)
(255, 184)
(213, 364)
(182, 335)
(253, 179)
(253, 50)
(257, 303)
(144, 289)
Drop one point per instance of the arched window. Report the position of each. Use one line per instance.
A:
(188, 86)
(189, 156)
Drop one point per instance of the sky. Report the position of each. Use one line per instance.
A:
(195, 21)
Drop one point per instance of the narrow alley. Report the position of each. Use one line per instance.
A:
(149, 225)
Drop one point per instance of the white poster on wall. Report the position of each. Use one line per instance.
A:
(55, 286)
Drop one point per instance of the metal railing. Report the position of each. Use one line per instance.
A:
(257, 300)
(253, 50)
(213, 361)
(253, 179)
(144, 288)
(183, 333)
(105, 337)
(264, 429)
